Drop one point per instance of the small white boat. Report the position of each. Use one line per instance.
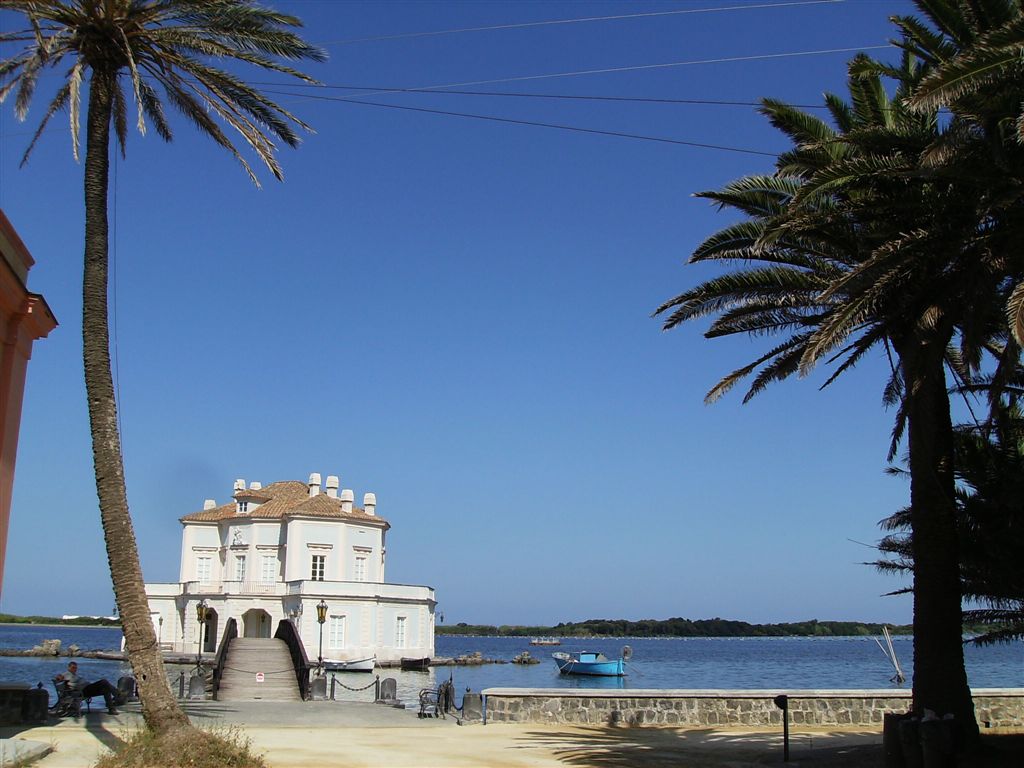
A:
(350, 665)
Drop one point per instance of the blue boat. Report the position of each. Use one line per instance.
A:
(590, 663)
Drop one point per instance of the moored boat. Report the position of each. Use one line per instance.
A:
(545, 641)
(590, 663)
(350, 665)
(416, 665)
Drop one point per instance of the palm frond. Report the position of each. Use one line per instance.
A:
(728, 382)
(74, 93)
(735, 288)
(59, 102)
(119, 108)
(1015, 313)
(852, 353)
(801, 127)
(840, 110)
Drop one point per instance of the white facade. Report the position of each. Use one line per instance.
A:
(274, 553)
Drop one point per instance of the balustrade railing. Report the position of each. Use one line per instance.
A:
(230, 633)
(235, 588)
(286, 631)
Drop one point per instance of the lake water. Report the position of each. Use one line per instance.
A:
(776, 662)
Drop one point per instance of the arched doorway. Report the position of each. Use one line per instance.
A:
(210, 631)
(255, 623)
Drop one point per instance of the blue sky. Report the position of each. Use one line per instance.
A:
(456, 315)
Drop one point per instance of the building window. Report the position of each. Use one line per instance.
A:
(204, 569)
(239, 567)
(268, 569)
(243, 507)
(319, 566)
(360, 569)
(400, 632)
(336, 632)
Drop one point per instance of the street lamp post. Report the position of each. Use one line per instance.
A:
(201, 610)
(321, 617)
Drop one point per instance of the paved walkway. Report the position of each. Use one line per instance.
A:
(360, 735)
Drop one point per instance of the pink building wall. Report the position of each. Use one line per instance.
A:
(24, 317)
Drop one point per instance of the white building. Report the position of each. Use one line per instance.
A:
(275, 552)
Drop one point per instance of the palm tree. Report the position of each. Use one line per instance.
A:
(142, 44)
(853, 248)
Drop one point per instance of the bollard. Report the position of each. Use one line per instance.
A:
(333, 681)
(910, 740)
(376, 689)
(936, 743)
(34, 705)
(782, 702)
(387, 691)
(472, 708)
(197, 687)
(891, 739)
(318, 688)
(181, 685)
(126, 689)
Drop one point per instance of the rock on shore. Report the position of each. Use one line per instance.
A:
(49, 648)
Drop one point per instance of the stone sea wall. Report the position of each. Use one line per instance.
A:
(995, 707)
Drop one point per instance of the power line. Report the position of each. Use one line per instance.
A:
(638, 67)
(556, 126)
(619, 17)
(569, 97)
(667, 65)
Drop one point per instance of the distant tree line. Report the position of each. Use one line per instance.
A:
(678, 627)
(78, 621)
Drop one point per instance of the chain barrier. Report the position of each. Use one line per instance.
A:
(349, 688)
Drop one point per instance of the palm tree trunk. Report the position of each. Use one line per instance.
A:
(940, 680)
(159, 707)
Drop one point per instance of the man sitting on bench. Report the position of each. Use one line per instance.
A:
(102, 687)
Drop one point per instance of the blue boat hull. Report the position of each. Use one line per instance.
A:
(585, 666)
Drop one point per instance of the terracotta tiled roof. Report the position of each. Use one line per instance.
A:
(251, 493)
(285, 499)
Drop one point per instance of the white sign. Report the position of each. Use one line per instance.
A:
(259, 677)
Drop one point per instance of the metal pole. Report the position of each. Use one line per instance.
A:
(785, 736)
(376, 690)
(320, 656)
(782, 702)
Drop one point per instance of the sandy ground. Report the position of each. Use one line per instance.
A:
(369, 736)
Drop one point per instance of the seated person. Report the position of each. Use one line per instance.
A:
(103, 688)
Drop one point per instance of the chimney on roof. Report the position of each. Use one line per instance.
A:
(314, 484)
(209, 504)
(346, 501)
(332, 486)
(255, 485)
(239, 486)
(370, 503)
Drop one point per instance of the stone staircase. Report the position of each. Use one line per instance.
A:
(246, 658)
